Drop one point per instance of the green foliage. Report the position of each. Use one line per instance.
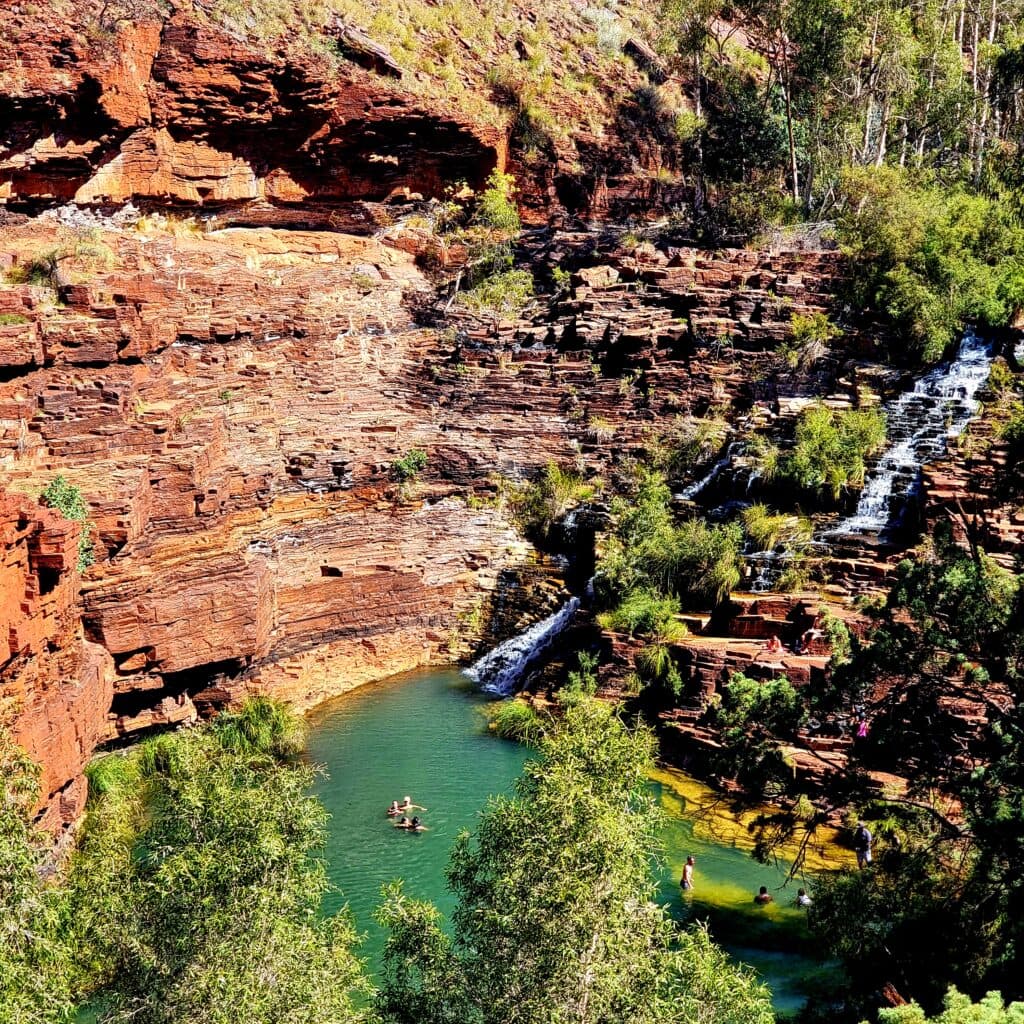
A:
(67, 499)
(517, 720)
(410, 465)
(656, 668)
(195, 894)
(556, 917)
(697, 562)
(641, 611)
(686, 445)
(810, 340)
(750, 716)
(832, 448)
(500, 294)
(33, 967)
(949, 635)
(931, 258)
(496, 208)
(12, 319)
(538, 506)
(581, 681)
(769, 529)
(40, 271)
(957, 1008)
(262, 726)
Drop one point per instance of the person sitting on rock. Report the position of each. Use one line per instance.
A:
(774, 645)
(763, 896)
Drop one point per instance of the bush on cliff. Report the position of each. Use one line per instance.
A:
(537, 506)
(67, 499)
(409, 466)
(557, 916)
(830, 452)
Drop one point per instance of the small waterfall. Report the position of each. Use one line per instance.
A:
(501, 671)
(920, 424)
(766, 568)
(691, 492)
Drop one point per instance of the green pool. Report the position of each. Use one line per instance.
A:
(424, 734)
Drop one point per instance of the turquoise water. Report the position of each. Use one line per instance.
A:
(424, 735)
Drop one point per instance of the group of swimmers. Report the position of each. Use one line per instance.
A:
(412, 824)
(763, 895)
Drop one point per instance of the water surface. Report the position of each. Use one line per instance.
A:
(424, 735)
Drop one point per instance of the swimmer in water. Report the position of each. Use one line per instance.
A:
(403, 822)
(416, 825)
(393, 809)
(408, 805)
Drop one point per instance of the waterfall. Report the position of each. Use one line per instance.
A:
(502, 670)
(691, 492)
(766, 568)
(920, 423)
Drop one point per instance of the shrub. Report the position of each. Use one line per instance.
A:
(656, 669)
(67, 499)
(769, 529)
(502, 294)
(538, 506)
(12, 319)
(811, 338)
(832, 448)
(496, 209)
(517, 720)
(261, 726)
(642, 611)
(410, 465)
(688, 443)
(699, 562)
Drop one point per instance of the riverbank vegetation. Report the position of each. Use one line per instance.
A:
(556, 916)
(937, 682)
(194, 894)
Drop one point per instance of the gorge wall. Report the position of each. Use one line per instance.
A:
(210, 327)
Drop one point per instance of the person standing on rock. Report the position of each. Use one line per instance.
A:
(687, 880)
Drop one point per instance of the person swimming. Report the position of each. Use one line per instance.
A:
(393, 809)
(416, 825)
(763, 895)
(403, 822)
(408, 805)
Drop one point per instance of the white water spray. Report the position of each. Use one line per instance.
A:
(691, 492)
(501, 671)
(920, 424)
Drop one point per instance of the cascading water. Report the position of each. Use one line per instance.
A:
(691, 492)
(920, 423)
(501, 671)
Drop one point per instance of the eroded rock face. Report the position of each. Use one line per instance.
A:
(230, 407)
(55, 686)
(181, 114)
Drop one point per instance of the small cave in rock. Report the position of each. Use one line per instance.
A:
(48, 579)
